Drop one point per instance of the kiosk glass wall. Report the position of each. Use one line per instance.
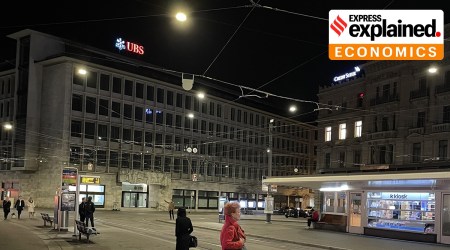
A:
(404, 211)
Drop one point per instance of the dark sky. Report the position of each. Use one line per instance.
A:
(283, 52)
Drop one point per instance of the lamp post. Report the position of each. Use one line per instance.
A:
(269, 170)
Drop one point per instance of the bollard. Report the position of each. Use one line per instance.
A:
(268, 218)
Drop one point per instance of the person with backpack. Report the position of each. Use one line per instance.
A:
(89, 209)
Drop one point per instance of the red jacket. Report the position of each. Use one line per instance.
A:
(231, 234)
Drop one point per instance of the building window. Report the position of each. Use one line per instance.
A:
(327, 133)
(128, 87)
(103, 109)
(104, 82)
(417, 151)
(179, 102)
(169, 97)
(342, 131)
(358, 129)
(139, 90)
(160, 95)
(327, 160)
(443, 149)
(117, 85)
(341, 159)
(76, 128)
(421, 119)
(116, 110)
(385, 124)
(77, 102)
(357, 157)
(150, 93)
(91, 104)
(446, 115)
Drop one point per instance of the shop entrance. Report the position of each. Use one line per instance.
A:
(355, 215)
(132, 199)
(445, 219)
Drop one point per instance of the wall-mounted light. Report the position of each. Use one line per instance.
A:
(334, 189)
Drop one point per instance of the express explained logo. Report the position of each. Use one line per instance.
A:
(386, 35)
(338, 25)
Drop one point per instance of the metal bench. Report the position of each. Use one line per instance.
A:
(83, 229)
(47, 218)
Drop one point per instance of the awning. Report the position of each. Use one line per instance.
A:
(396, 180)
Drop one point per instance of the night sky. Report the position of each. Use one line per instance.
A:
(282, 51)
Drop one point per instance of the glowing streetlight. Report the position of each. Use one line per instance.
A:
(82, 72)
(180, 16)
(7, 126)
(432, 69)
(292, 108)
(201, 95)
(190, 115)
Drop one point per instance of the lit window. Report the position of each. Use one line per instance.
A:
(342, 131)
(327, 133)
(358, 128)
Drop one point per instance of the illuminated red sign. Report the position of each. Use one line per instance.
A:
(129, 46)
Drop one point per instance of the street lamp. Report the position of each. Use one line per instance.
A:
(269, 168)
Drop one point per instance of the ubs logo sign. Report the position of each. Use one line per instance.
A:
(129, 46)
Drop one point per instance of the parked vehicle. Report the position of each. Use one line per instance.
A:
(296, 212)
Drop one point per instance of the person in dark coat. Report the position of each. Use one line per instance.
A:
(6, 207)
(89, 209)
(19, 205)
(81, 210)
(183, 229)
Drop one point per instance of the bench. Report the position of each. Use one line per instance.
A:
(84, 230)
(333, 222)
(47, 218)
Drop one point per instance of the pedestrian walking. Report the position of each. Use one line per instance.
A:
(81, 209)
(19, 205)
(183, 229)
(171, 208)
(6, 207)
(232, 236)
(30, 207)
(89, 209)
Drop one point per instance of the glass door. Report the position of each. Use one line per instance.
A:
(445, 219)
(129, 199)
(355, 213)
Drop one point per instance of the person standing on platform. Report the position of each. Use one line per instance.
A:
(183, 229)
(89, 209)
(232, 236)
(19, 205)
(171, 208)
(81, 209)
(30, 206)
(6, 207)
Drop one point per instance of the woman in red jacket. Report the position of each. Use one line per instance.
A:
(232, 236)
